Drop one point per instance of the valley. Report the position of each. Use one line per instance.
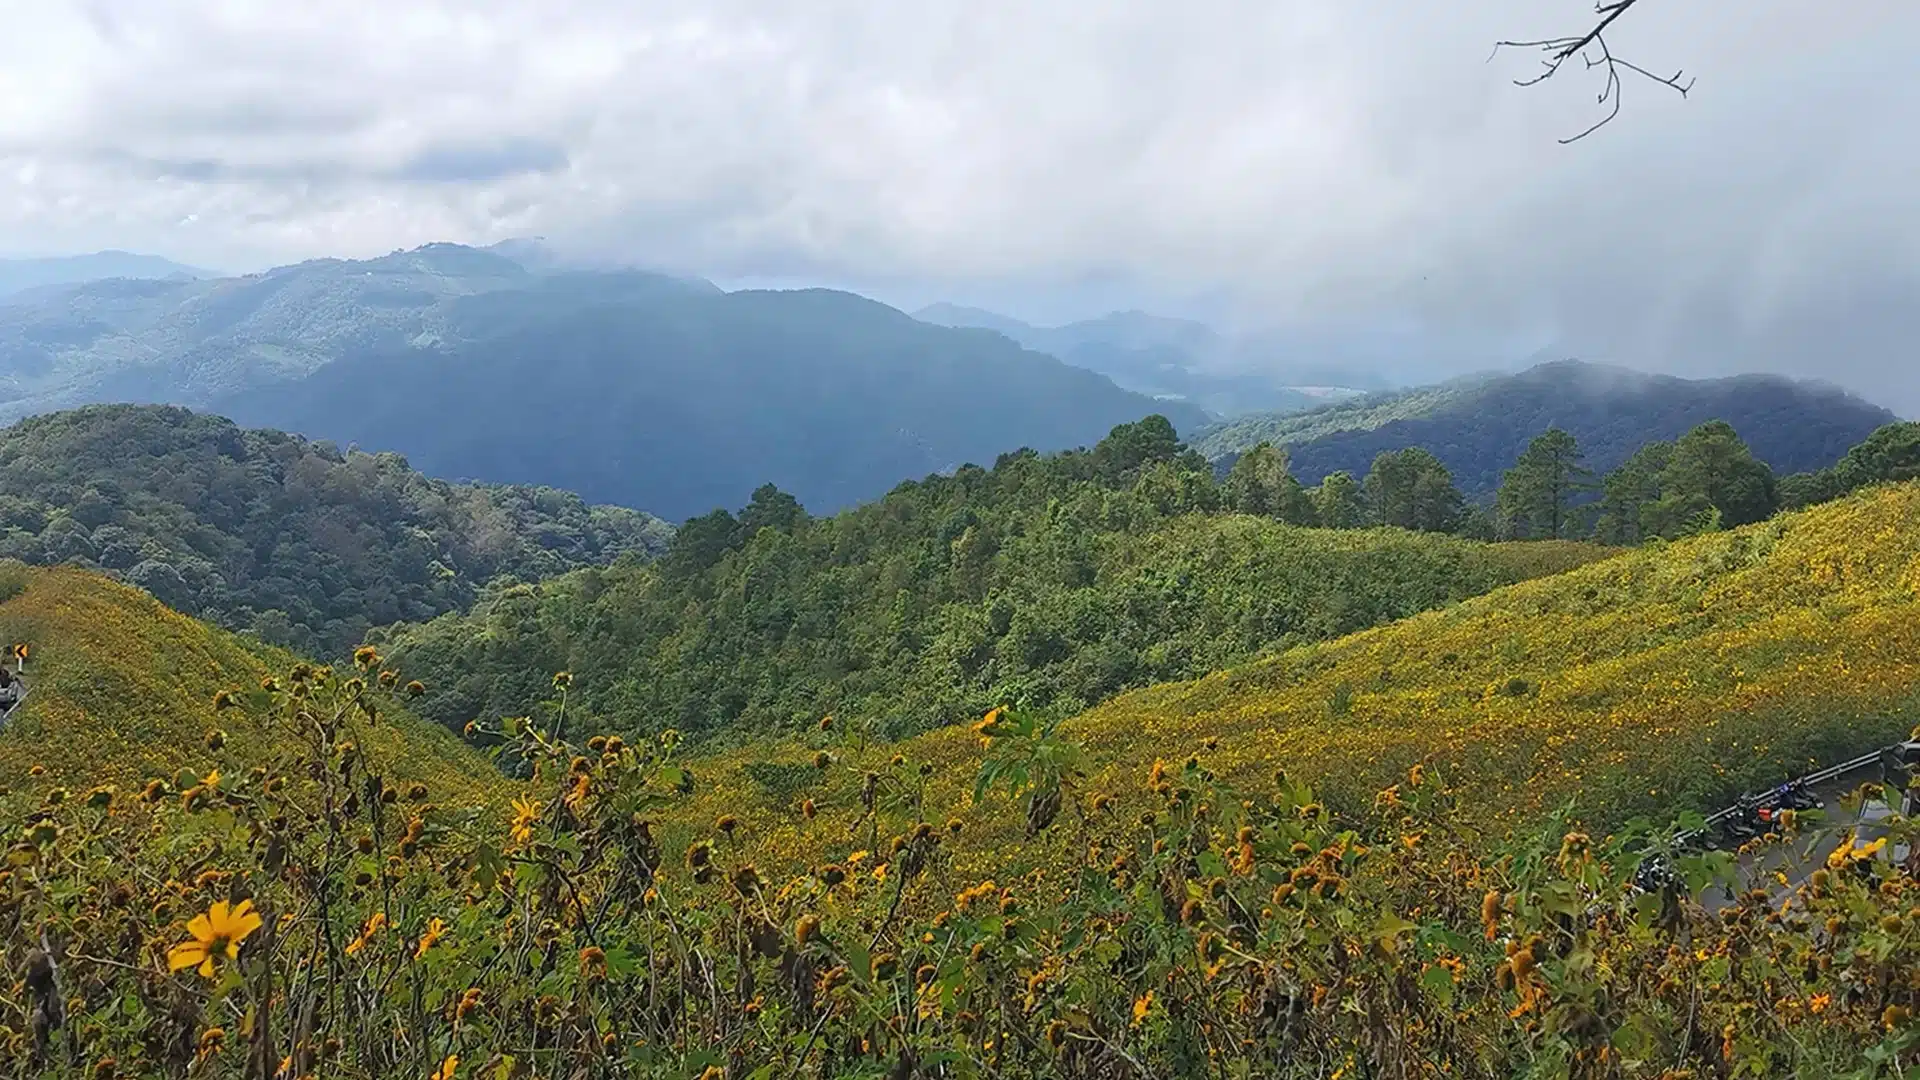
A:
(1127, 738)
(758, 541)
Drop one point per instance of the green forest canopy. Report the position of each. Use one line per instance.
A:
(264, 531)
(1050, 581)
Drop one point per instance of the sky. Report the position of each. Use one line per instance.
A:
(1335, 172)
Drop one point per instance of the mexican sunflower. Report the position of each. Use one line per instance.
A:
(217, 932)
(526, 813)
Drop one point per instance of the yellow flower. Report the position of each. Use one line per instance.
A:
(445, 1071)
(856, 858)
(375, 923)
(1141, 1006)
(216, 933)
(1846, 852)
(525, 813)
(436, 927)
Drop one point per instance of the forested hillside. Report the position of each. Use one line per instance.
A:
(1477, 426)
(1050, 581)
(683, 403)
(1349, 851)
(1662, 680)
(295, 540)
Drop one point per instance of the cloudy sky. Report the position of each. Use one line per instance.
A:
(1342, 171)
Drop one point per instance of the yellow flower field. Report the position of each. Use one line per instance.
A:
(124, 689)
(1662, 679)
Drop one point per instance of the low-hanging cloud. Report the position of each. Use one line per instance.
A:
(1318, 166)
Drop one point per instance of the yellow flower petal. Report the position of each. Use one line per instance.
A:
(185, 955)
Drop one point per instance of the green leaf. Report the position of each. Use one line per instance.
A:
(621, 961)
(488, 865)
(1390, 928)
(1438, 983)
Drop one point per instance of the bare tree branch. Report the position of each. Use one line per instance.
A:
(1559, 50)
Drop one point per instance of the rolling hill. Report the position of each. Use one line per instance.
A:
(1664, 679)
(1478, 425)
(123, 690)
(1052, 581)
(294, 540)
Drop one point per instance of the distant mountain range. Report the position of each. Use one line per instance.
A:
(20, 275)
(1171, 358)
(636, 390)
(1478, 424)
(651, 391)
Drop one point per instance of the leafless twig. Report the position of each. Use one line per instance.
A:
(1559, 50)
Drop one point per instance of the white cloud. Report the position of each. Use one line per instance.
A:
(1311, 162)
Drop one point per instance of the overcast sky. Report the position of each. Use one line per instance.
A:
(1333, 167)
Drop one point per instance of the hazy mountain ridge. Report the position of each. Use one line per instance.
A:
(1171, 358)
(1478, 424)
(649, 393)
(23, 275)
(188, 342)
(833, 396)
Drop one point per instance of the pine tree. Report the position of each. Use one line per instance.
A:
(1627, 494)
(1536, 497)
(1411, 489)
(1713, 469)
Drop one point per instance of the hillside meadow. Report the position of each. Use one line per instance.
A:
(1668, 678)
(1133, 893)
(123, 690)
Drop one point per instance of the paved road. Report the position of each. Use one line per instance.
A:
(1802, 855)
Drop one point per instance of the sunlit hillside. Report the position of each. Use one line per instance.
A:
(122, 689)
(1667, 678)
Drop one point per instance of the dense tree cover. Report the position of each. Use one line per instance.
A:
(1479, 426)
(264, 531)
(1706, 479)
(679, 402)
(1890, 454)
(1050, 581)
(1410, 489)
